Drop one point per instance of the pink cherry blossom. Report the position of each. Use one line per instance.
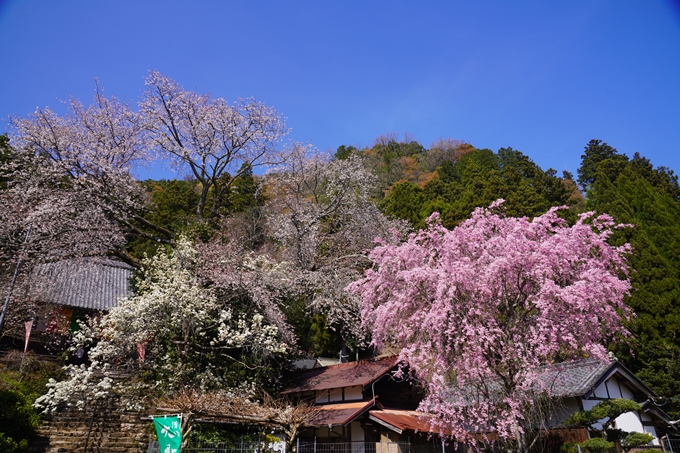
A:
(477, 310)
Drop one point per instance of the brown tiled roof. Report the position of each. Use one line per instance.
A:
(348, 374)
(90, 283)
(402, 420)
(340, 413)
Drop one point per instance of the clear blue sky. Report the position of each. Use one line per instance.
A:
(543, 77)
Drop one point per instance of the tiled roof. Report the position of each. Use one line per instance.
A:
(90, 283)
(318, 362)
(574, 378)
(347, 374)
(562, 380)
(340, 413)
(402, 420)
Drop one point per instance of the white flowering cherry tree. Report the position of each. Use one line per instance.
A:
(69, 178)
(322, 217)
(216, 141)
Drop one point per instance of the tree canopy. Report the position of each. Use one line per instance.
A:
(477, 310)
(637, 194)
(476, 179)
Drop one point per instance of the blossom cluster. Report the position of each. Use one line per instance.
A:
(165, 330)
(477, 310)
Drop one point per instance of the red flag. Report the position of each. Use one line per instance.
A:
(141, 351)
(29, 326)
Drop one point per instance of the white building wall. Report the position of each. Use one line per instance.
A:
(353, 393)
(357, 433)
(629, 422)
(601, 392)
(321, 396)
(564, 410)
(615, 389)
(588, 404)
(335, 395)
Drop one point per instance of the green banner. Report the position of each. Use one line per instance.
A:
(169, 433)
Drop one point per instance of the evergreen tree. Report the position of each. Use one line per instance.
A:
(626, 190)
(595, 152)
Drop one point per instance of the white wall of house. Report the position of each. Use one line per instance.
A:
(353, 393)
(357, 435)
(337, 395)
(630, 421)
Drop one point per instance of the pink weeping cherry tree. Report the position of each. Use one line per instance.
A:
(480, 310)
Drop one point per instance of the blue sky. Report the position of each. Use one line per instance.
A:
(542, 77)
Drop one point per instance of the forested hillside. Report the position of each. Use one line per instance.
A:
(636, 193)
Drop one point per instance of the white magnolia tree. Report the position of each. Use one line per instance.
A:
(176, 333)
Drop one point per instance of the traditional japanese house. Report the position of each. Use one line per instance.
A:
(69, 290)
(365, 407)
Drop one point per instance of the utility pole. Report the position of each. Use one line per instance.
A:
(11, 285)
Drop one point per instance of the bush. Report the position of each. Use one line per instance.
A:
(595, 445)
(18, 421)
(635, 440)
(22, 380)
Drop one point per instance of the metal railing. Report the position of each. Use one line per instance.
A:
(670, 445)
(302, 447)
(224, 447)
(354, 447)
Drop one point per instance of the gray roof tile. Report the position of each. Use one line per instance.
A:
(89, 283)
(573, 378)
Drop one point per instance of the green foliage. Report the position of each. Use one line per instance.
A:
(661, 178)
(173, 206)
(607, 410)
(476, 179)
(595, 152)
(244, 193)
(325, 340)
(393, 161)
(595, 445)
(343, 152)
(635, 440)
(599, 444)
(404, 202)
(22, 380)
(635, 194)
(172, 202)
(18, 421)
(314, 336)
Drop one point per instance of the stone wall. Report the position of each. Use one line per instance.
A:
(102, 431)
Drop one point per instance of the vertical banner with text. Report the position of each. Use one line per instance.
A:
(168, 429)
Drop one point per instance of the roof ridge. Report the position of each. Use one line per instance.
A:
(356, 363)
